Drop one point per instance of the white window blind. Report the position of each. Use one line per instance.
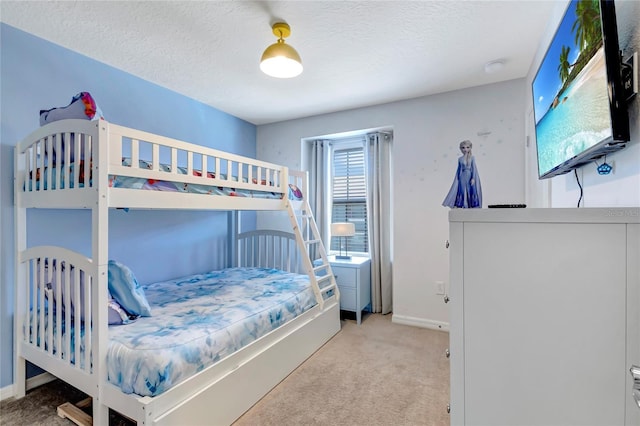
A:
(350, 196)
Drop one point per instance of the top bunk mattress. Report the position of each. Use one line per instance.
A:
(199, 320)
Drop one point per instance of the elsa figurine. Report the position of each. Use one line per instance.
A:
(465, 191)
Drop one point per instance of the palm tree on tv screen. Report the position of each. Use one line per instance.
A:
(564, 65)
(587, 28)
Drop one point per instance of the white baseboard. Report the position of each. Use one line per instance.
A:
(6, 392)
(420, 322)
(32, 382)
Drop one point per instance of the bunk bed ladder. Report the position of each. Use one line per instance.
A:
(315, 261)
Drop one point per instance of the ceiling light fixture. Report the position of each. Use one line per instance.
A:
(281, 60)
(493, 66)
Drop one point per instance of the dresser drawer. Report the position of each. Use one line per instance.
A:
(346, 277)
(348, 299)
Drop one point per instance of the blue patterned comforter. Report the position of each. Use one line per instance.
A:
(199, 320)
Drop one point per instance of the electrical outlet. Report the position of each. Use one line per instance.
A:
(439, 287)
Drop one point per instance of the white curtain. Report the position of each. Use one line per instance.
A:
(317, 189)
(379, 218)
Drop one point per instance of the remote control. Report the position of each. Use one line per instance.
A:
(507, 206)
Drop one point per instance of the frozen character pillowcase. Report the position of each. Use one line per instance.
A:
(82, 106)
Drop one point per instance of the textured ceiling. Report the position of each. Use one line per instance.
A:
(355, 53)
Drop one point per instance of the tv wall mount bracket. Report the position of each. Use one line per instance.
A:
(629, 74)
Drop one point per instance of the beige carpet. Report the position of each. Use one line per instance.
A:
(376, 373)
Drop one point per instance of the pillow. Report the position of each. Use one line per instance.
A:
(116, 314)
(126, 291)
(81, 106)
(294, 192)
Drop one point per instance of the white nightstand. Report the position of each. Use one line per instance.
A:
(353, 277)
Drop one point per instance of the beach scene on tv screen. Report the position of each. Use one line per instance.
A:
(571, 103)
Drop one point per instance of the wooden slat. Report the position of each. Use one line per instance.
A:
(49, 163)
(40, 305)
(75, 414)
(58, 163)
(32, 279)
(34, 167)
(58, 298)
(88, 290)
(66, 147)
(76, 161)
(174, 160)
(76, 315)
(135, 153)
(87, 160)
(50, 314)
(155, 156)
(204, 167)
(67, 311)
(190, 163)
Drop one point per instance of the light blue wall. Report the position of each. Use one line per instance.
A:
(36, 74)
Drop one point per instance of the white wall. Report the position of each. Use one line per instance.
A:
(622, 187)
(427, 132)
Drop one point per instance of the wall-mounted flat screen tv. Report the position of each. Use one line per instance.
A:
(579, 107)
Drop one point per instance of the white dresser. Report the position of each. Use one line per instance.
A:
(544, 320)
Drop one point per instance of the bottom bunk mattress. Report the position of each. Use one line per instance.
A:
(199, 320)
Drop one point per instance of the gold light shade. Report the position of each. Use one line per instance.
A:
(280, 60)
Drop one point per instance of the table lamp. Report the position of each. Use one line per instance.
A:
(342, 230)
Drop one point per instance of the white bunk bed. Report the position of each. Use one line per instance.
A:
(219, 393)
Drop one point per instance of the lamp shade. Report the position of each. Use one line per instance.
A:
(280, 60)
(343, 229)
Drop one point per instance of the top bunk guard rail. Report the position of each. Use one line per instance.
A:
(51, 172)
(222, 168)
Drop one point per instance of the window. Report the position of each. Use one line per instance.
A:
(349, 193)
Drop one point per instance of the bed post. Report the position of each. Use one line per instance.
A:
(233, 219)
(100, 259)
(20, 217)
